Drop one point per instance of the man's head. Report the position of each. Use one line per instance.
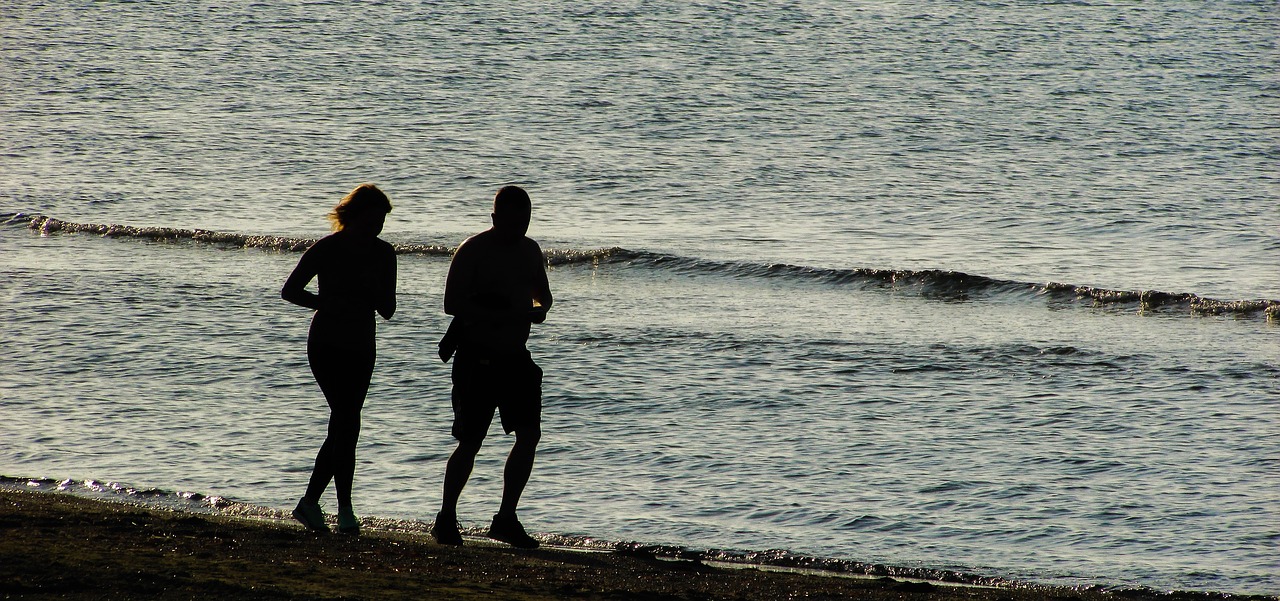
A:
(511, 212)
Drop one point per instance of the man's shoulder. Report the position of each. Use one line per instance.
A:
(476, 241)
(530, 246)
(487, 241)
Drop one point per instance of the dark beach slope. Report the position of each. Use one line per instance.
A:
(67, 547)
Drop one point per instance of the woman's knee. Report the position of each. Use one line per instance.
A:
(344, 426)
(528, 436)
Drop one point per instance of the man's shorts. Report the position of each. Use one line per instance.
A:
(511, 384)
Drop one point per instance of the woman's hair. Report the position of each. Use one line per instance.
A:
(365, 197)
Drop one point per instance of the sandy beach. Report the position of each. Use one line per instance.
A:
(67, 547)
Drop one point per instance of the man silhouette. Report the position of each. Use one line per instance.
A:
(496, 288)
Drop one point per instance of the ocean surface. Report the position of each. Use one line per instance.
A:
(986, 286)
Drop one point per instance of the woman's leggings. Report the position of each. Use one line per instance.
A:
(343, 376)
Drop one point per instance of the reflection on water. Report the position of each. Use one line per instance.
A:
(703, 410)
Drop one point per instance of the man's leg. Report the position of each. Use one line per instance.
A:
(471, 419)
(523, 416)
(519, 466)
(506, 527)
(456, 474)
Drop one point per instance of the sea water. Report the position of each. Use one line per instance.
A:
(988, 287)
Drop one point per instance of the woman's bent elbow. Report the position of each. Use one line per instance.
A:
(296, 297)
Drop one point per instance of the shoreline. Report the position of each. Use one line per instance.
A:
(58, 544)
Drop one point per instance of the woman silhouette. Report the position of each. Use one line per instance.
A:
(356, 276)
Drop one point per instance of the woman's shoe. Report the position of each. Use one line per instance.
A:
(308, 512)
(445, 530)
(347, 522)
(509, 530)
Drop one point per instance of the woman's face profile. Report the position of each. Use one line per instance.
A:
(367, 223)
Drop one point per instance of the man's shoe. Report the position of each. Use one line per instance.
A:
(509, 530)
(445, 530)
(347, 522)
(308, 512)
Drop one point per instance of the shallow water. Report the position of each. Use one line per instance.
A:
(751, 348)
(875, 424)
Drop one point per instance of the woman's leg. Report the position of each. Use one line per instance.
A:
(344, 379)
(321, 474)
(344, 430)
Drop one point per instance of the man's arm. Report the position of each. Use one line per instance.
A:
(458, 284)
(541, 292)
(462, 299)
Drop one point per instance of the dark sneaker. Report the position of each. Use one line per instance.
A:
(347, 522)
(445, 530)
(308, 512)
(509, 530)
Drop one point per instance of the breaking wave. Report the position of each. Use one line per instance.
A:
(932, 283)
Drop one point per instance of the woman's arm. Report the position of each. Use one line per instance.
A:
(386, 301)
(295, 288)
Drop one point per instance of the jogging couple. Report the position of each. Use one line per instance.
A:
(496, 289)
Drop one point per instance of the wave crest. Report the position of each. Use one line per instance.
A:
(932, 283)
(48, 225)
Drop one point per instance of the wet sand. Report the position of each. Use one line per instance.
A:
(67, 547)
